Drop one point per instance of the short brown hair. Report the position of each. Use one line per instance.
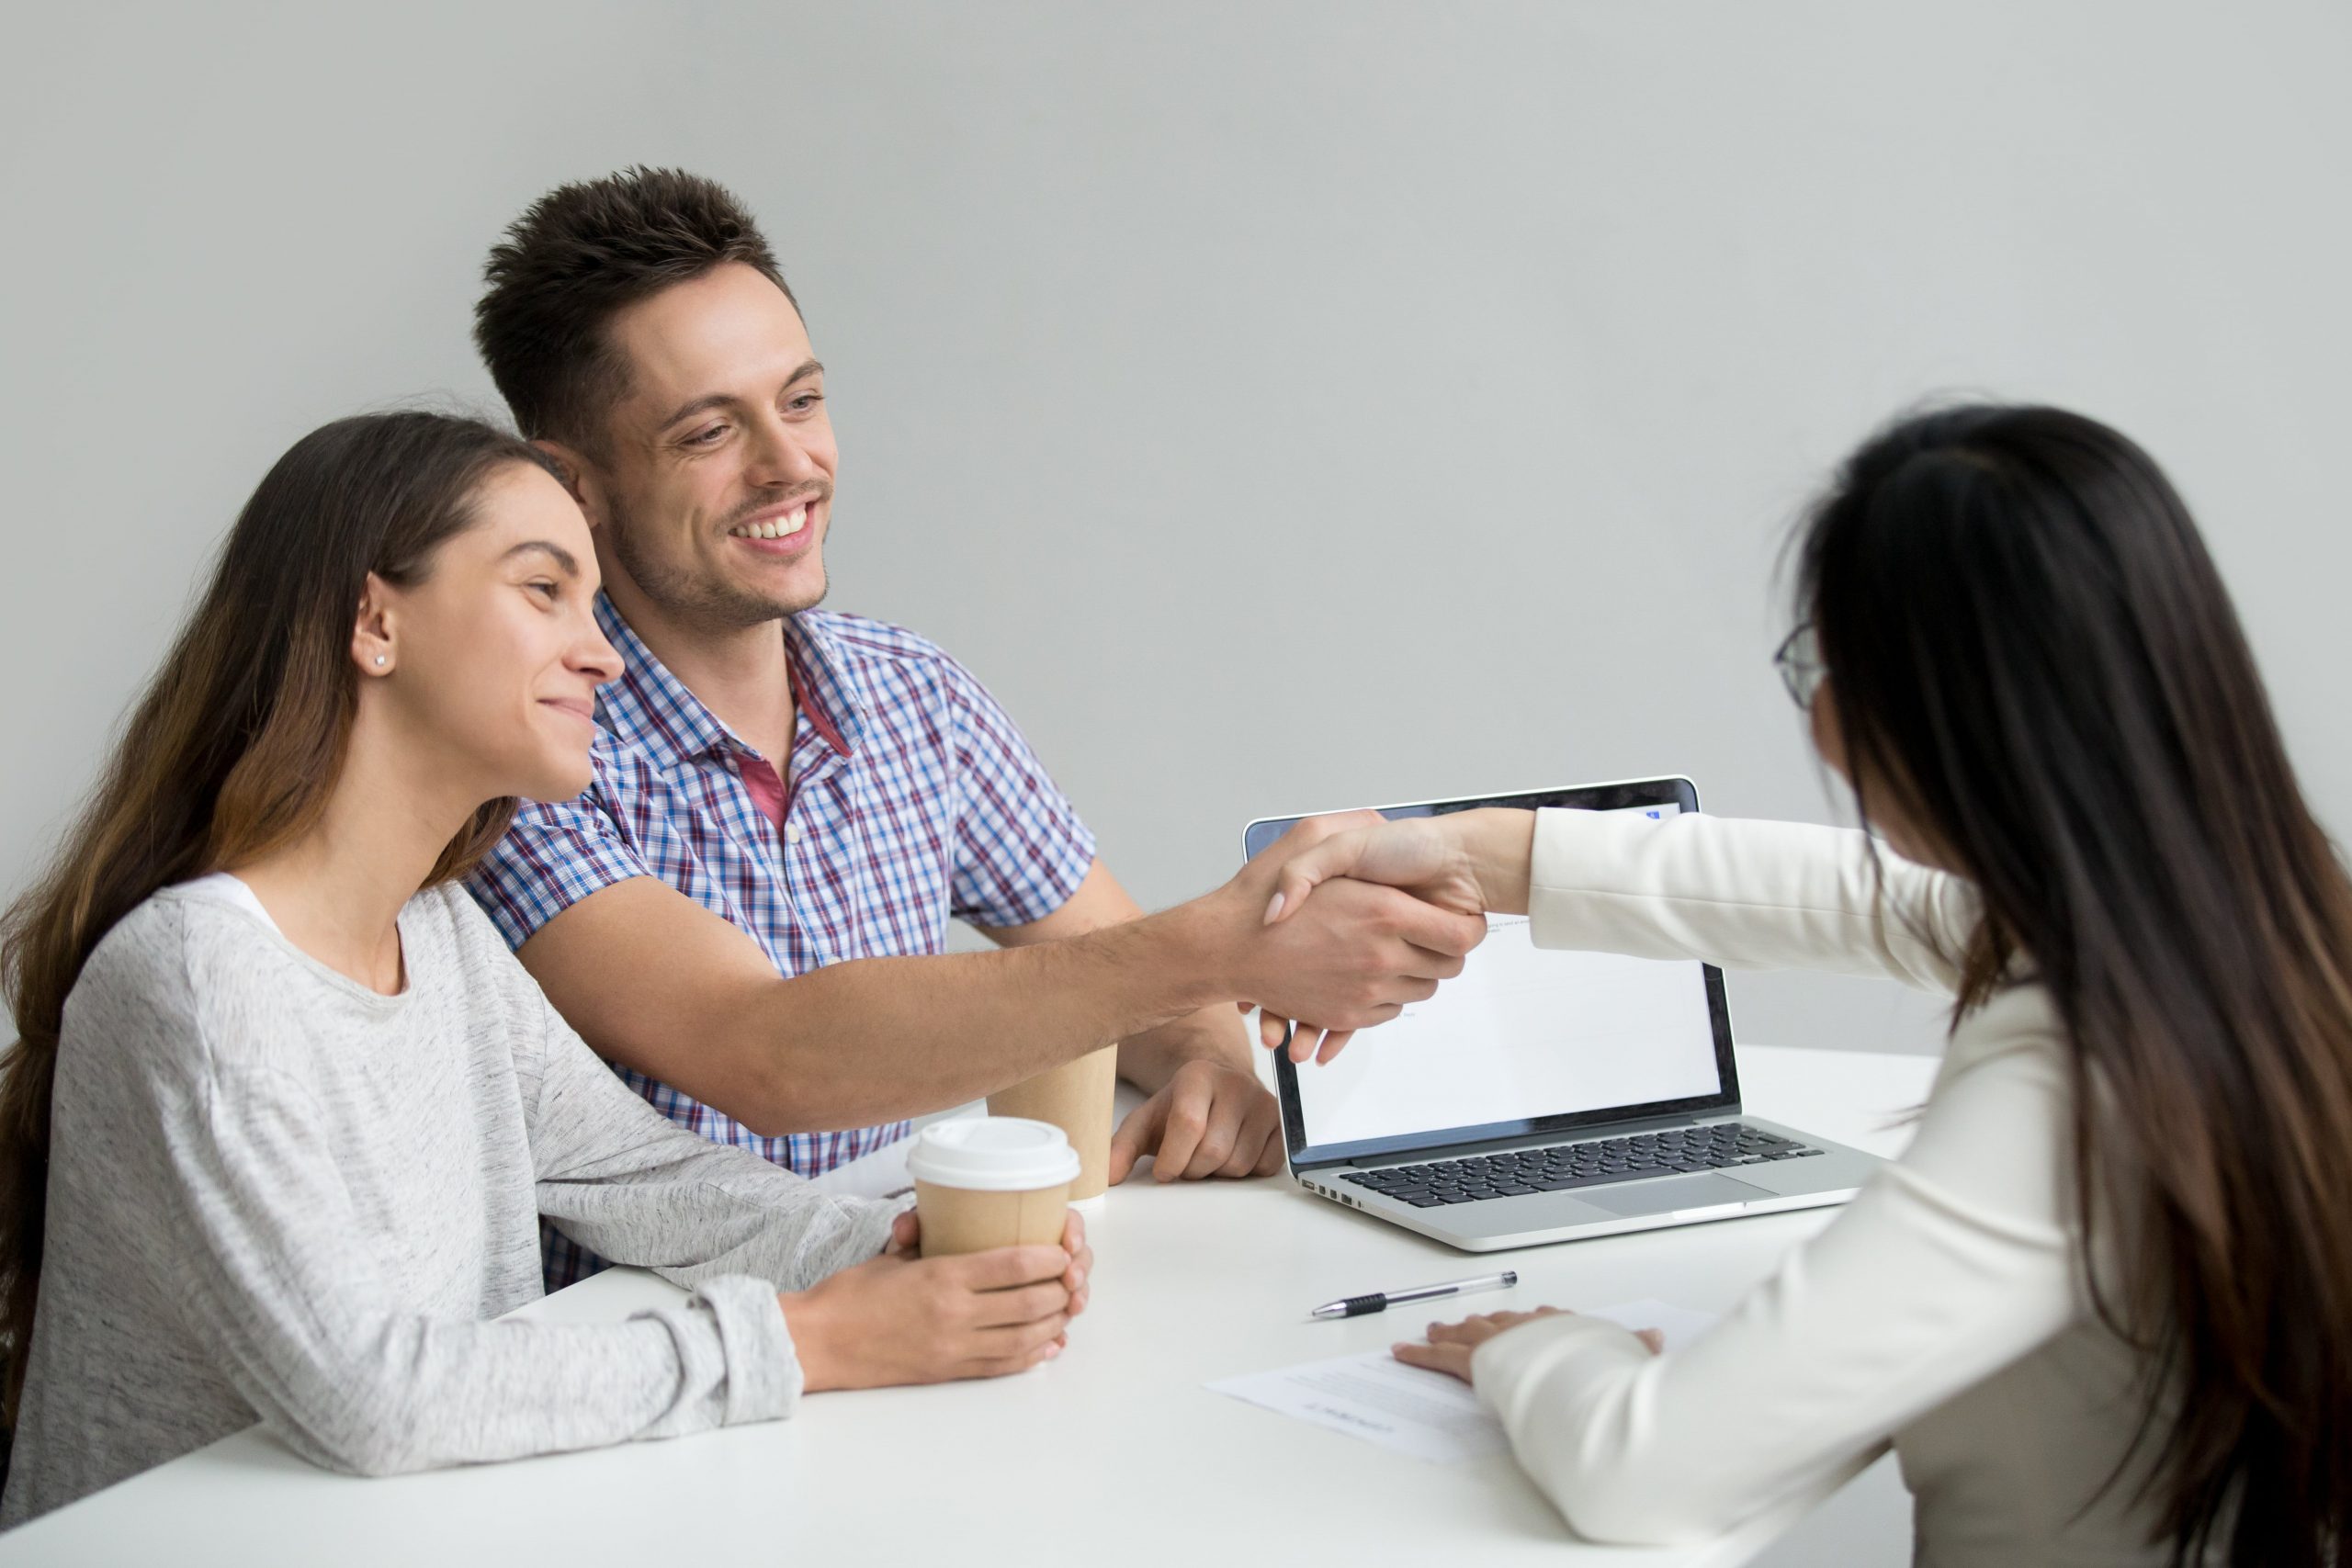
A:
(579, 255)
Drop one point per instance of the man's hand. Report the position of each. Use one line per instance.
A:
(1450, 1345)
(904, 1318)
(1211, 1118)
(1352, 956)
(1468, 862)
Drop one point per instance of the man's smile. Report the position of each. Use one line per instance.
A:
(775, 524)
(778, 532)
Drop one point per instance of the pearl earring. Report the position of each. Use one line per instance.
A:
(380, 662)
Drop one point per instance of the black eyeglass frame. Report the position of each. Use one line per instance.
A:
(1798, 661)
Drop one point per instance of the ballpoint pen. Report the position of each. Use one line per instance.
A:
(1381, 1301)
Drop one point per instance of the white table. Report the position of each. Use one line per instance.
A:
(1113, 1454)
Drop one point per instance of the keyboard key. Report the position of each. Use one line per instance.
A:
(1565, 1167)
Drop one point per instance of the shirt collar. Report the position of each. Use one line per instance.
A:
(648, 707)
(821, 682)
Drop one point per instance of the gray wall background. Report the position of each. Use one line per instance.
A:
(1280, 406)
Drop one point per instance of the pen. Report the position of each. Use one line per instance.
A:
(1381, 1301)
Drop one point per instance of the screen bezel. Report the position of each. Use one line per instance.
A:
(1677, 792)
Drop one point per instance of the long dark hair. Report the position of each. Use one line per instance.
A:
(234, 749)
(2030, 654)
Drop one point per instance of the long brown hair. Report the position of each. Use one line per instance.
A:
(2032, 653)
(232, 751)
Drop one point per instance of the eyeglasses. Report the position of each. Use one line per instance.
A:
(1799, 662)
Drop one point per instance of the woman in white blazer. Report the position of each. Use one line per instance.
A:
(2102, 1305)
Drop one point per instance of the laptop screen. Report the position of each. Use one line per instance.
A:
(1525, 1040)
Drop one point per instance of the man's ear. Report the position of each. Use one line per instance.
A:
(374, 645)
(579, 477)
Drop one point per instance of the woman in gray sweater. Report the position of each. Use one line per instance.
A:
(279, 1127)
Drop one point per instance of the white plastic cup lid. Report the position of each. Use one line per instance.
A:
(992, 1154)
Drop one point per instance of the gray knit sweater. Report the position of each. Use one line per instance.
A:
(274, 1195)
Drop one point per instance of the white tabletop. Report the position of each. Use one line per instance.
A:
(1116, 1443)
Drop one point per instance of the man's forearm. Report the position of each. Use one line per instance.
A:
(877, 1039)
(658, 983)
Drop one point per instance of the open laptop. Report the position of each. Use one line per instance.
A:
(1550, 1096)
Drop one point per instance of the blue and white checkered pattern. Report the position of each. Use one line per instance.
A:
(922, 805)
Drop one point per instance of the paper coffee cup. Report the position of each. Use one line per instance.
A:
(1077, 1097)
(990, 1181)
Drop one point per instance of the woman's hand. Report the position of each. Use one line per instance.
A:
(904, 1318)
(1359, 957)
(1450, 1345)
(1468, 862)
(1427, 856)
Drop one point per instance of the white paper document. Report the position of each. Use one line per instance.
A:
(1427, 1414)
(1380, 1399)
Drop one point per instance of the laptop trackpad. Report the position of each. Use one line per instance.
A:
(1686, 1193)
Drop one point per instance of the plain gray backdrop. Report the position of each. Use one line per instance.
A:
(1280, 406)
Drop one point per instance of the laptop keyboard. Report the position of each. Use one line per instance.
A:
(1558, 1170)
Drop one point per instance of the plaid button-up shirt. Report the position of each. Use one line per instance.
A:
(912, 800)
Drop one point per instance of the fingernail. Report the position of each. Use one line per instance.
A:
(1274, 908)
(1053, 1351)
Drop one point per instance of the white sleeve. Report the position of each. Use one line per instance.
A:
(1953, 1263)
(1745, 895)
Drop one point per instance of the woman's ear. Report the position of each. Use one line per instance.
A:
(1886, 798)
(1828, 739)
(372, 642)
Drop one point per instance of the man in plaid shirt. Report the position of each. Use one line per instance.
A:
(747, 912)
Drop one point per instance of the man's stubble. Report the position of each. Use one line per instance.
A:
(683, 594)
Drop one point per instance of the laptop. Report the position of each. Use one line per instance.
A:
(1550, 1096)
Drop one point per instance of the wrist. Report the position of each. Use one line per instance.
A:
(808, 1323)
(1214, 1035)
(1195, 960)
(1498, 845)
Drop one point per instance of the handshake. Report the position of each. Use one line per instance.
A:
(1352, 917)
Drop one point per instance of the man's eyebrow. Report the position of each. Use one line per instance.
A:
(563, 557)
(709, 400)
(699, 405)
